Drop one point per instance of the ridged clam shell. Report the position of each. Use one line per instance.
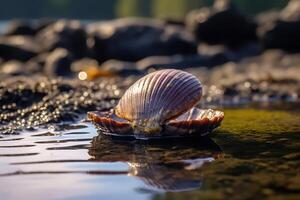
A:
(158, 97)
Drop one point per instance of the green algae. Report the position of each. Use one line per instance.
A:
(243, 121)
(261, 158)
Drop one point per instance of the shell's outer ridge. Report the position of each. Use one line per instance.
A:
(140, 97)
(145, 92)
(185, 84)
(150, 94)
(169, 91)
(172, 83)
(161, 90)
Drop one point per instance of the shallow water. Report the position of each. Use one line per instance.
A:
(254, 154)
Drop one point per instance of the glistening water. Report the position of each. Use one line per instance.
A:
(255, 154)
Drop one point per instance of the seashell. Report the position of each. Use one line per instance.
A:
(159, 104)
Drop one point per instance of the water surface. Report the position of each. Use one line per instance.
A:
(255, 154)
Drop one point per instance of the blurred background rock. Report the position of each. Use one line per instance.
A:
(226, 42)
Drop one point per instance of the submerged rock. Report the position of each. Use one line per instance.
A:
(134, 39)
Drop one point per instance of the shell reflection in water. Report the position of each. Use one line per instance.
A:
(172, 166)
(157, 105)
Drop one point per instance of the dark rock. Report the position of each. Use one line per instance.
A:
(266, 21)
(291, 12)
(221, 24)
(65, 34)
(281, 30)
(284, 35)
(134, 39)
(18, 27)
(235, 55)
(267, 17)
(12, 67)
(121, 68)
(58, 63)
(16, 68)
(39, 60)
(230, 91)
(43, 23)
(25, 42)
(83, 64)
(175, 22)
(30, 102)
(18, 47)
(204, 59)
(179, 61)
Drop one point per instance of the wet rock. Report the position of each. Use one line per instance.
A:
(40, 24)
(134, 39)
(291, 12)
(17, 47)
(38, 61)
(235, 55)
(28, 102)
(221, 24)
(283, 36)
(88, 69)
(25, 42)
(266, 21)
(58, 63)
(179, 61)
(283, 29)
(175, 22)
(65, 34)
(272, 76)
(205, 58)
(83, 64)
(13, 67)
(121, 68)
(18, 27)
(125, 68)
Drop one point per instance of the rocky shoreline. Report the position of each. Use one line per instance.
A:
(208, 37)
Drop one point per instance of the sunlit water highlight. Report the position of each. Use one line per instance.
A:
(73, 162)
